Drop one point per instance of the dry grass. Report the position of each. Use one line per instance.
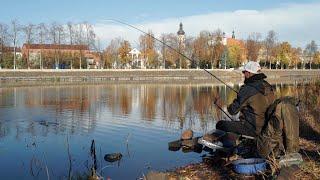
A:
(308, 145)
(274, 165)
(309, 170)
(310, 151)
(310, 121)
(220, 169)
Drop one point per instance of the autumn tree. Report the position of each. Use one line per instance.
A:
(147, 46)
(284, 54)
(124, 50)
(201, 50)
(218, 47)
(6, 55)
(316, 58)
(234, 55)
(311, 50)
(253, 46)
(170, 56)
(111, 54)
(296, 54)
(188, 49)
(270, 44)
(162, 47)
(4, 41)
(7, 60)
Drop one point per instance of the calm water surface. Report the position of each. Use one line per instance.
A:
(45, 128)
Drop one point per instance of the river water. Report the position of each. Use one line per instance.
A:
(47, 130)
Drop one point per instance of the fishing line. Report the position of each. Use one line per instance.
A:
(124, 23)
(191, 60)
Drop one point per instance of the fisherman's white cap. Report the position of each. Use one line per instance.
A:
(252, 67)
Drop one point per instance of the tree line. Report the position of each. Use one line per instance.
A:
(206, 50)
(14, 34)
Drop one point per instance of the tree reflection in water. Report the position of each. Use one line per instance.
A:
(109, 112)
(189, 105)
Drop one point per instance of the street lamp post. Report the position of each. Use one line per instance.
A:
(224, 56)
(211, 45)
(14, 57)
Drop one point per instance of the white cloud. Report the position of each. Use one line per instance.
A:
(296, 23)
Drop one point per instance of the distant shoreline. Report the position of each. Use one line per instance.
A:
(101, 76)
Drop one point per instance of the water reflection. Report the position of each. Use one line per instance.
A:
(81, 106)
(151, 115)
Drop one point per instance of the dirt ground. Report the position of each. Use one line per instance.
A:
(221, 168)
(217, 167)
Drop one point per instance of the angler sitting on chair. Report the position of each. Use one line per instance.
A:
(253, 99)
(273, 123)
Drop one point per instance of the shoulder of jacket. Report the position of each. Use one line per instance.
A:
(246, 88)
(247, 91)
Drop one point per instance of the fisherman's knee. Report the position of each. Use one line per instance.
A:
(220, 125)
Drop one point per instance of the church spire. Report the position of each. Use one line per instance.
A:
(181, 31)
(233, 36)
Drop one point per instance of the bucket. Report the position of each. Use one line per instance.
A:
(249, 166)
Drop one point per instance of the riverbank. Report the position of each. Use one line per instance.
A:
(221, 168)
(89, 76)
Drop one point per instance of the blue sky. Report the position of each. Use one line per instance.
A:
(36, 11)
(294, 21)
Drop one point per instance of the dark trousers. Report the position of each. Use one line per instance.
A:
(238, 127)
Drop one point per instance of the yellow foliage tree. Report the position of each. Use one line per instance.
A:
(284, 54)
(295, 57)
(235, 55)
(123, 51)
(317, 58)
(147, 45)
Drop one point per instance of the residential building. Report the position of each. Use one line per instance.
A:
(60, 54)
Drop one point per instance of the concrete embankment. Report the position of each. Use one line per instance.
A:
(145, 76)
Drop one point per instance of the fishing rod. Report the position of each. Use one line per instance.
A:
(127, 24)
(124, 23)
(215, 102)
(219, 107)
